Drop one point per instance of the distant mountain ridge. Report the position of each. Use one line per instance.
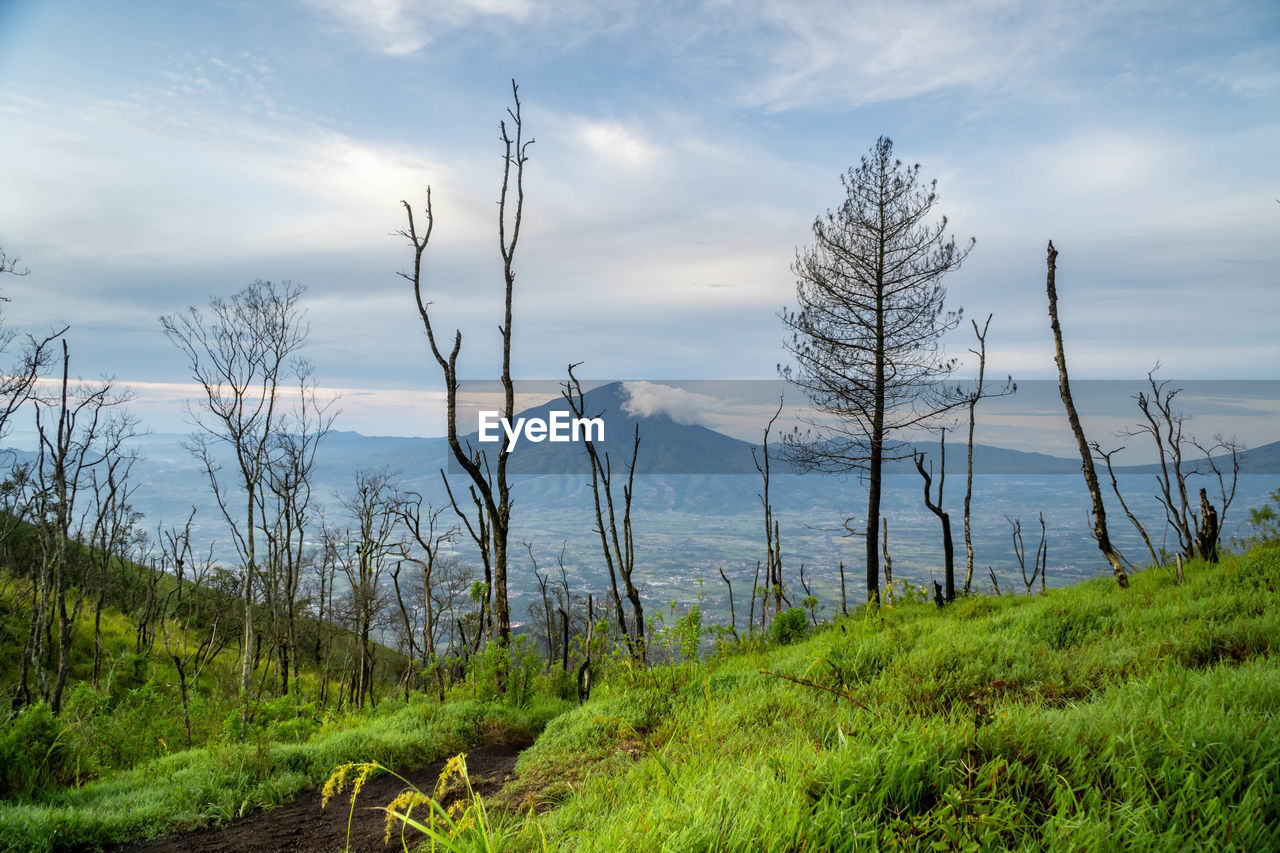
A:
(667, 447)
(670, 447)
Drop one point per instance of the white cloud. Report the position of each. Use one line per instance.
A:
(834, 55)
(646, 399)
(400, 27)
(140, 181)
(615, 143)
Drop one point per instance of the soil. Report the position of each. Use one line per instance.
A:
(301, 826)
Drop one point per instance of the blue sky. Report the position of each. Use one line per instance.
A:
(157, 153)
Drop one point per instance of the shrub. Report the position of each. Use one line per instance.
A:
(1264, 522)
(688, 630)
(788, 626)
(32, 751)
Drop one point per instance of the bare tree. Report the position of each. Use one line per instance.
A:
(239, 353)
(1041, 560)
(428, 536)
(979, 392)
(733, 616)
(9, 264)
(330, 557)
(369, 546)
(189, 627)
(1197, 532)
(867, 338)
(772, 532)
(1086, 459)
(546, 617)
(492, 487)
(888, 563)
(935, 507)
(82, 432)
(285, 511)
(452, 581)
(619, 549)
(1105, 456)
(17, 380)
(114, 531)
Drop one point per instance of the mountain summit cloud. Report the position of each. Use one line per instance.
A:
(646, 399)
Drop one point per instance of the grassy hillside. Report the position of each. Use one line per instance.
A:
(226, 780)
(1088, 718)
(134, 712)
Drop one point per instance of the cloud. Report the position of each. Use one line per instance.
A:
(617, 144)
(1250, 73)
(163, 174)
(401, 27)
(646, 399)
(835, 55)
(163, 407)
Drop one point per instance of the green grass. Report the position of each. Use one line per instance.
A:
(202, 786)
(1087, 718)
(134, 714)
(113, 768)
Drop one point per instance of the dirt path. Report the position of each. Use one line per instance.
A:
(301, 825)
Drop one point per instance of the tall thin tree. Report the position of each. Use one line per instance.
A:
(490, 482)
(238, 353)
(1100, 532)
(866, 340)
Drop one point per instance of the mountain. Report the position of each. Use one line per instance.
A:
(684, 468)
(666, 446)
(1258, 460)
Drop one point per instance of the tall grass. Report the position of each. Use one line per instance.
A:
(200, 786)
(1087, 718)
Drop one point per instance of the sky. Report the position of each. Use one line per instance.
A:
(155, 154)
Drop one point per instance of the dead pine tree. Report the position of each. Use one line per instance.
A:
(492, 488)
(866, 341)
(1086, 458)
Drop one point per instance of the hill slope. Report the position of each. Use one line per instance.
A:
(1088, 718)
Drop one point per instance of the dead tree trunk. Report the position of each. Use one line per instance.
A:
(733, 618)
(935, 507)
(619, 552)
(979, 393)
(844, 602)
(1207, 534)
(772, 543)
(888, 564)
(1086, 459)
(491, 487)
